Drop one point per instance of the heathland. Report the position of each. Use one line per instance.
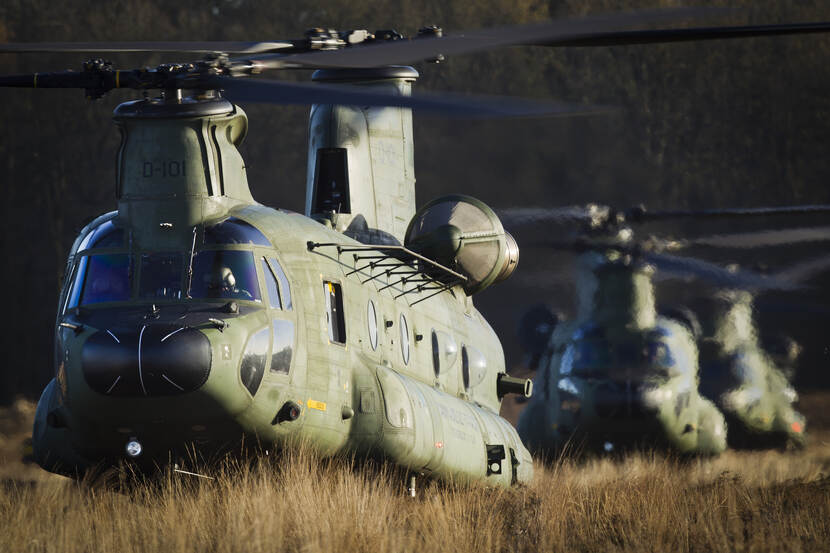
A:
(741, 501)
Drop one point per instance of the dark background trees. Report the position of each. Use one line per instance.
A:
(724, 123)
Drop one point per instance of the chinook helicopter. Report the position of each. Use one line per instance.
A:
(621, 374)
(193, 317)
(749, 384)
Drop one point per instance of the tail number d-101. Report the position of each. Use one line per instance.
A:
(163, 169)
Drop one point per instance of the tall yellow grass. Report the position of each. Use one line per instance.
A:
(763, 501)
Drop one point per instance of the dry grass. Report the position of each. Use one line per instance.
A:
(769, 501)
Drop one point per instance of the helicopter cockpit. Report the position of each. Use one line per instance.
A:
(594, 355)
(164, 350)
(107, 271)
(627, 374)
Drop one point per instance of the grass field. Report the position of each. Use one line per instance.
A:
(742, 501)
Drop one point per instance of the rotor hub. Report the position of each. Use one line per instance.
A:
(171, 108)
(403, 72)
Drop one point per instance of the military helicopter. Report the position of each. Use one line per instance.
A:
(751, 386)
(193, 317)
(621, 374)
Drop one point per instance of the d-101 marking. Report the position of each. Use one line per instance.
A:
(168, 168)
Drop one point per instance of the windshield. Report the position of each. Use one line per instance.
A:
(101, 278)
(161, 275)
(225, 274)
(217, 274)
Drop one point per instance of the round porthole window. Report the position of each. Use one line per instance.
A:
(404, 340)
(372, 321)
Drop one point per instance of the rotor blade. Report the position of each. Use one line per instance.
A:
(418, 49)
(659, 36)
(763, 238)
(172, 46)
(802, 308)
(715, 274)
(283, 92)
(672, 265)
(802, 272)
(524, 216)
(641, 214)
(543, 280)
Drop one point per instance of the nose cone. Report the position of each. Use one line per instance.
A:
(150, 360)
(624, 400)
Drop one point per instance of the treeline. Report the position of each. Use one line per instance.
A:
(700, 124)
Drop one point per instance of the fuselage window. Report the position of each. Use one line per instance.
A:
(271, 284)
(476, 365)
(234, 231)
(283, 346)
(225, 274)
(404, 340)
(285, 288)
(334, 312)
(252, 367)
(465, 368)
(436, 354)
(101, 278)
(444, 351)
(161, 275)
(372, 321)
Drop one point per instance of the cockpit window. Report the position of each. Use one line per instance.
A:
(105, 235)
(234, 231)
(273, 288)
(225, 274)
(284, 285)
(101, 278)
(216, 274)
(161, 275)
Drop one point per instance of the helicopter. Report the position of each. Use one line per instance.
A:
(750, 383)
(192, 317)
(623, 374)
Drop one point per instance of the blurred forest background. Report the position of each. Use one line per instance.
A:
(714, 124)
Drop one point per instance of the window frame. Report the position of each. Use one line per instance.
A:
(286, 301)
(264, 255)
(374, 341)
(465, 369)
(337, 292)
(266, 366)
(406, 339)
(270, 372)
(266, 268)
(254, 250)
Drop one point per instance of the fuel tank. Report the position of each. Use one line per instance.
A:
(437, 434)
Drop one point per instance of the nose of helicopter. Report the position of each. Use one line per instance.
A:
(626, 400)
(184, 363)
(168, 383)
(149, 360)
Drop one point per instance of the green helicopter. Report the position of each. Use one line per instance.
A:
(751, 385)
(622, 375)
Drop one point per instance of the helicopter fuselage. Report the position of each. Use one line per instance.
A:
(743, 380)
(606, 389)
(300, 349)
(619, 376)
(194, 318)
